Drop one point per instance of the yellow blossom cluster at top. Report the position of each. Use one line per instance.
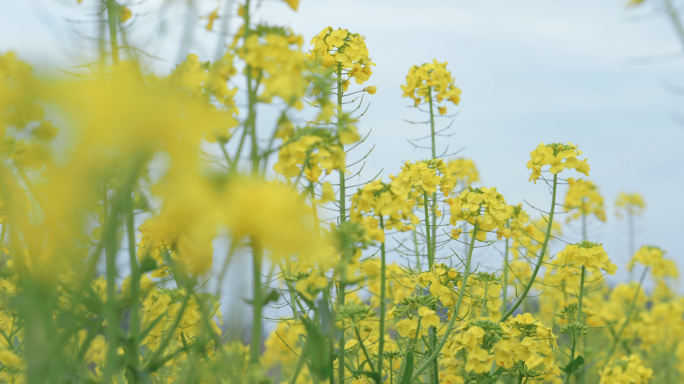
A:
(424, 176)
(463, 170)
(584, 198)
(631, 203)
(586, 254)
(383, 200)
(483, 207)
(654, 258)
(431, 80)
(341, 48)
(557, 155)
(317, 151)
(276, 58)
(204, 80)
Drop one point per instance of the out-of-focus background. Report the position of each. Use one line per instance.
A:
(599, 74)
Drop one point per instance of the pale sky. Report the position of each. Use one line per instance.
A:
(530, 71)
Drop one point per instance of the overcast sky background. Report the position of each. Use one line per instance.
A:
(590, 72)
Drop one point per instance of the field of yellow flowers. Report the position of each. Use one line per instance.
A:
(117, 185)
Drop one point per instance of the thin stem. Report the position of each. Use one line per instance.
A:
(363, 347)
(343, 217)
(109, 240)
(415, 245)
(112, 17)
(566, 379)
(255, 347)
(454, 314)
(431, 258)
(2, 236)
(581, 296)
(505, 275)
(383, 295)
(134, 290)
(541, 254)
(432, 124)
(629, 314)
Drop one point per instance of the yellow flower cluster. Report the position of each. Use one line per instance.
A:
(340, 48)
(631, 203)
(627, 370)
(463, 170)
(314, 150)
(440, 283)
(557, 155)
(205, 80)
(383, 200)
(654, 258)
(586, 254)
(275, 57)
(584, 197)
(431, 80)
(530, 341)
(471, 338)
(423, 176)
(483, 207)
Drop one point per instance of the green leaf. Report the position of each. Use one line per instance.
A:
(574, 365)
(148, 264)
(316, 348)
(408, 369)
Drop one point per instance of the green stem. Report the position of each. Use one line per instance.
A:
(134, 291)
(342, 341)
(630, 228)
(363, 347)
(411, 345)
(434, 195)
(2, 236)
(540, 258)
(505, 275)
(343, 217)
(109, 240)
(250, 124)
(431, 258)
(581, 296)
(432, 124)
(566, 379)
(112, 17)
(343, 208)
(255, 347)
(454, 315)
(629, 314)
(417, 252)
(383, 296)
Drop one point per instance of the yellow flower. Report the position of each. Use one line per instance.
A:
(124, 14)
(654, 258)
(10, 360)
(431, 79)
(626, 370)
(372, 89)
(442, 110)
(633, 204)
(584, 198)
(212, 16)
(586, 254)
(341, 49)
(484, 207)
(558, 156)
(294, 4)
